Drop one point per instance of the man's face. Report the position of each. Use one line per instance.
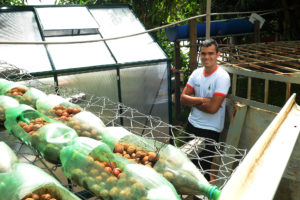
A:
(209, 56)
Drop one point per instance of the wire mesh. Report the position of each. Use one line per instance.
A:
(224, 160)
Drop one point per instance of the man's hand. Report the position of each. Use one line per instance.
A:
(211, 106)
(188, 97)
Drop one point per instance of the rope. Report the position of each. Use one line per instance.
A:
(136, 34)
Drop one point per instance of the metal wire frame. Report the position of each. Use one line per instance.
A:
(118, 114)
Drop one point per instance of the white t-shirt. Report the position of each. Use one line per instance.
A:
(216, 83)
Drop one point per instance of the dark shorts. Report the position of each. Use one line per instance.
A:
(202, 132)
(206, 155)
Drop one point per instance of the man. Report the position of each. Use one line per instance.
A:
(205, 92)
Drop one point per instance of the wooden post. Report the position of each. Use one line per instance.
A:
(193, 44)
(208, 9)
(249, 88)
(288, 91)
(177, 78)
(266, 97)
(256, 31)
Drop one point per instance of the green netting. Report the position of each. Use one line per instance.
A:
(31, 96)
(7, 158)
(14, 90)
(166, 159)
(5, 103)
(3, 84)
(51, 139)
(93, 166)
(25, 179)
(84, 123)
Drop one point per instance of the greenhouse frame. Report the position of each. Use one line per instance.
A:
(134, 71)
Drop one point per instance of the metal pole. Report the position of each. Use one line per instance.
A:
(208, 9)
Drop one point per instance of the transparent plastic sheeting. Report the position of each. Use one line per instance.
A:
(97, 169)
(115, 22)
(66, 18)
(22, 26)
(145, 88)
(5, 103)
(29, 95)
(83, 122)
(67, 56)
(7, 158)
(26, 178)
(101, 83)
(46, 135)
(167, 160)
(117, 114)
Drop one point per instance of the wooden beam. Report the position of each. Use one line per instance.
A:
(266, 97)
(252, 65)
(249, 88)
(256, 31)
(177, 78)
(257, 61)
(193, 44)
(234, 81)
(251, 52)
(287, 91)
(208, 10)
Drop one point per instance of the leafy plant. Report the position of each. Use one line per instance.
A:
(12, 3)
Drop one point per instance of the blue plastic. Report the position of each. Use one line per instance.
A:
(217, 28)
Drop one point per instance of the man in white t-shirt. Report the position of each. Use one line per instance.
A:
(205, 92)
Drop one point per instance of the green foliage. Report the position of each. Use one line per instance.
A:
(12, 3)
(79, 2)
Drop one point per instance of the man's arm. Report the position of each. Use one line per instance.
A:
(213, 105)
(188, 97)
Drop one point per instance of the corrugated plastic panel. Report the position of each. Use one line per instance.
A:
(102, 83)
(146, 89)
(22, 26)
(67, 56)
(114, 22)
(62, 20)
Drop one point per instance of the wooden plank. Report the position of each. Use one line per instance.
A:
(235, 128)
(258, 176)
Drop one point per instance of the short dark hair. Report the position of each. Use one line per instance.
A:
(208, 43)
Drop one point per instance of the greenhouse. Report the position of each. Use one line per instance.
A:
(86, 113)
(112, 68)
